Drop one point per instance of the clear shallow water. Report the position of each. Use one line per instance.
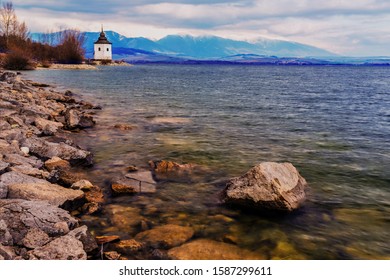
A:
(332, 123)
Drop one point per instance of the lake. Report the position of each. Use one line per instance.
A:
(331, 122)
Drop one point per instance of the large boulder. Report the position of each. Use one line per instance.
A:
(166, 236)
(21, 216)
(267, 186)
(47, 150)
(21, 186)
(204, 249)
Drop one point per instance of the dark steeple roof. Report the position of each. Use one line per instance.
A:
(102, 39)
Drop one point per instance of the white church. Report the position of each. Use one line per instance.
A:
(102, 48)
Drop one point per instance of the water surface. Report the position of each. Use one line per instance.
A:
(332, 123)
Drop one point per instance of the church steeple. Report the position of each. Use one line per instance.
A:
(102, 38)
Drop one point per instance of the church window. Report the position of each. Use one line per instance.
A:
(99, 49)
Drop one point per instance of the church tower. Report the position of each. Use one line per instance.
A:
(102, 48)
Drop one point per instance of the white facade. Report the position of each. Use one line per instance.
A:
(102, 51)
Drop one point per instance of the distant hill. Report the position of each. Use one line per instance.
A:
(178, 47)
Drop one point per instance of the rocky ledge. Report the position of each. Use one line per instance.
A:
(38, 182)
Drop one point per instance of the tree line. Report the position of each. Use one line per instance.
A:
(19, 52)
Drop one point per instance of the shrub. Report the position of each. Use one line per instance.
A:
(18, 60)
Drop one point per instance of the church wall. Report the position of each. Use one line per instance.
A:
(101, 51)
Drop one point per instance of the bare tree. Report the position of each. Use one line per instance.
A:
(70, 46)
(8, 20)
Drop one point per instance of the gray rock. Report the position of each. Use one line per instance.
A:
(86, 121)
(20, 216)
(18, 134)
(12, 178)
(62, 248)
(16, 159)
(4, 125)
(7, 253)
(5, 235)
(84, 236)
(21, 186)
(31, 171)
(49, 150)
(75, 119)
(269, 185)
(3, 167)
(7, 76)
(15, 121)
(47, 127)
(54, 194)
(35, 238)
(72, 118)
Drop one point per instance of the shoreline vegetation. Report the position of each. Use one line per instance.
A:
(43, 186)
(19, 52)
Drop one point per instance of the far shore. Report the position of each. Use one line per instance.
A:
(83, 66)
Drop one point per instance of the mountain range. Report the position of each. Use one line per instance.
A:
(186, 47)
(213, 49)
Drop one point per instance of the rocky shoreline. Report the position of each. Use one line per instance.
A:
(38, 184)
(43, 190)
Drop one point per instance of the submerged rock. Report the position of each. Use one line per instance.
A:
(129, 246)
(123, 127)
(269, 186)
(135, 182)
(107, 239)
(124, 218)
(166, 236)
(172, 171)
(204, 249)
(112, 255)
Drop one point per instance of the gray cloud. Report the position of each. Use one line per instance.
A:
(344, 26)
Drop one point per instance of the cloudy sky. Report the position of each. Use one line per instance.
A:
(348, 27)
